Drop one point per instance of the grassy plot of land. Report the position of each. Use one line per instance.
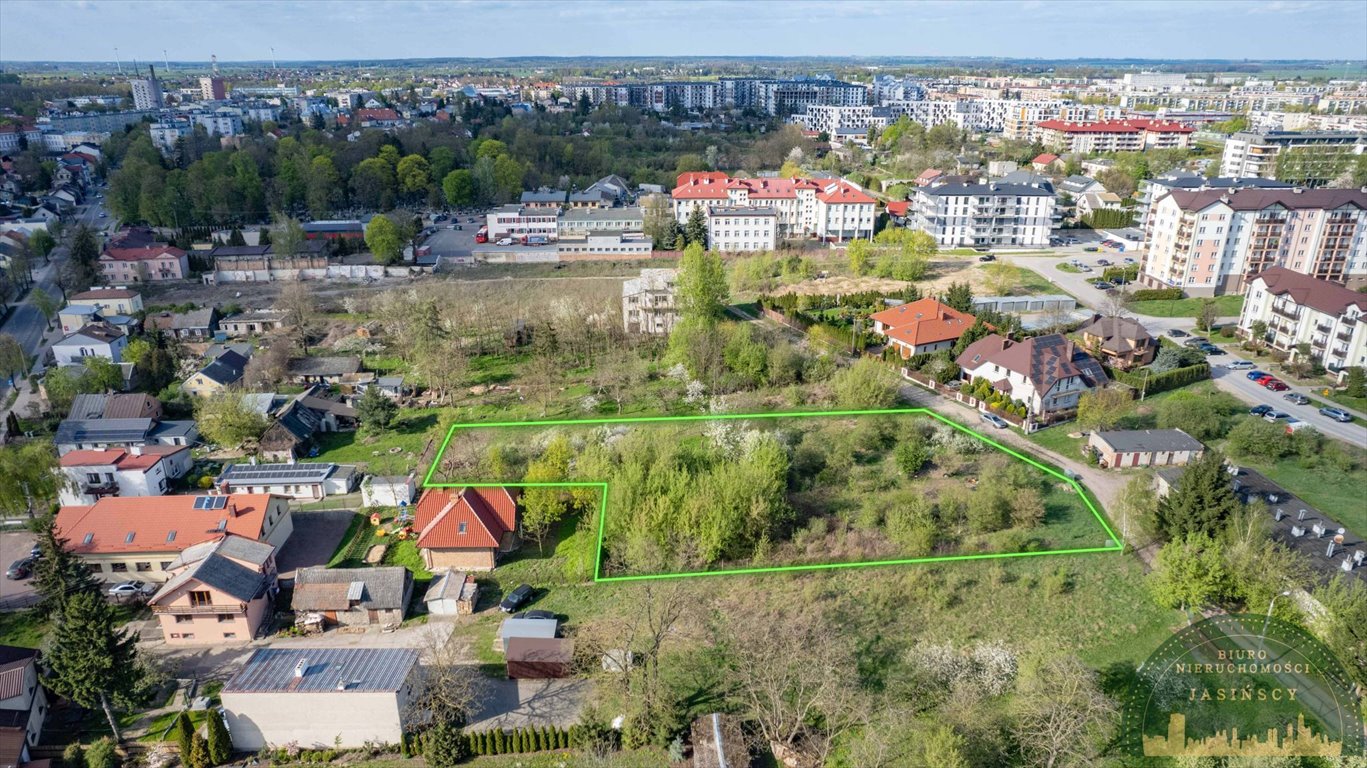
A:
(1225, 306)
(738, 492)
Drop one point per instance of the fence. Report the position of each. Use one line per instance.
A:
(1026, 424)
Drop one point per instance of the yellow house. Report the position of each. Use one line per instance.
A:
(224, 371)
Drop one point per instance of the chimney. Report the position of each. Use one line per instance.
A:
(135, 450)
(1296, 190)
(232, 510)
(301, 668)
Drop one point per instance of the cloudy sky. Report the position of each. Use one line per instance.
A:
(238, 30)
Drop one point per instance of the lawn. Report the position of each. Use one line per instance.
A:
(1056, 439)
(25, 629)
(1225, 306)
(395, 452)
(1064, 266)
(1335, 492)
(1342, 398)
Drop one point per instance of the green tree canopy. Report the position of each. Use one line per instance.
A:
(90, 661)
(1201, 502)
(384, 240)
(227, 421)
(702, 289)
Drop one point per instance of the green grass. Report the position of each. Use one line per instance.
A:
(359, 525)
(1056, 439)
(1225, 306)
(25, 629)
(375, 454)
(1064, 266)
(1342, 398)
(1331, 490)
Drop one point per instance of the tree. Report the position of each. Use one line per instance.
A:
(90, 661)
(414, 176)
(1062, 717)
(1001, 277)
(236, 239)
(199, 753)
(448, 687)
(227, 421)
(219, 744)
(702, 292)
(1188, 573)
(323, 190)
(298, 311)
(58, 574)
(101, 375)
(543, 508)
(1201, 502)
(28, 474)
(102, 754)
(13, 361)
(42, 243)
(376, 411)
(1356, 385)
(383, 238)
(1344, 625)
(287, 236)
(978, 330)
(82, 265)
(184, 731)
(867, 383)
(1103, 408)
(44, 303)
(943, 748)
(1208, 314)
(1194, 414)
(658, 222)
(1257, 333)
(459, 188)
(444, 746)
(695, 228)
(959, 296)
(859, 253)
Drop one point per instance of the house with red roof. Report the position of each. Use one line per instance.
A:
(831, 209)
(922, 326)
(927, 177)
(152, 262)
(1043, 162)
(1112, 135)
(466, 529)
(145, 470)
(139, 537)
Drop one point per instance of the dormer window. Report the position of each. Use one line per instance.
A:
(462, 528)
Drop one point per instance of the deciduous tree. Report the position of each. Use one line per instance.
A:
(1102, 409)
(1189, 573)
(702, 291)
(227, 421)
(383, 238)
(868, 383)
(458, 186)
(1062, 717)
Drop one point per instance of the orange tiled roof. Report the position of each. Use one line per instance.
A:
(925, 321)
(145, 523)
(120, 458)
(488, 513)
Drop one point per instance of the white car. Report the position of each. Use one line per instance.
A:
(1240, 365)
(504, 241)
(131, 589)
(994, 420)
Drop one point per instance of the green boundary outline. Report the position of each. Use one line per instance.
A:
(603, 488)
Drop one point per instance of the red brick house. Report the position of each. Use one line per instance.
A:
(466, 528)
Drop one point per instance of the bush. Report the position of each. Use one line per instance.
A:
(445, 746)
(73, 756)
(1255, 438)
(1162, 382)
(102, 754)
(1157, 294)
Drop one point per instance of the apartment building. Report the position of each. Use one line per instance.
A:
(1213, 241)
(1112, 135)
(147, 93)
(518, 221)
(148, 263)
(832, 209)
(735, 228)
(1298, 309)
(584, 221)
(166, 134)
(1153, 190)
(213, 89)
(1308, 159)
(648, 302)
(985, 215)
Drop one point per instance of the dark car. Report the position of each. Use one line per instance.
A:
(533, 615)
(1177, 333)
(1296, 398)
(1260, 410)
(1211, 349)
(20, 569)
(516, 598)
(1255, 375)
(1103, 262)
(1276, 385)
(987, 257)
(1102, 285)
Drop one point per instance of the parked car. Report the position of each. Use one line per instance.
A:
(1091, 249)
(1275, 415)
(1337, 414)
(1103, 262)
(20, 569)
(1261, 378)
(1296, 397)
(504, 241)
(516, 598)
(1194, 342)
(994, 420)
(1102, 285)
(1177, 333)
(1083, 268)
(1211, 349)
(987, 257)
(1240, 365)
(1276, 386)
(1259, 410)
(1130, 260)
(1255, 375)
(132, 589)
(1071, 241)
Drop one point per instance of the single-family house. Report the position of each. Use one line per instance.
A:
(23, 704)
(298, 420)
(1119, 449)
(391, 387)
(1045, 162)
(922, 326)
(321, 370)
(74, 434)
(304, 480)
(94, 340)
(451, 593)
(115, 301)
(74, 317)
(1047, 373)
(136, 471)
(127, 405)
(353, 596)
(220, 373)
(195, 324)
(466, 528)
(219, 592)
(140, 537)
(251, 323)
(320, 698)
(1092, 202)
(1121, 342)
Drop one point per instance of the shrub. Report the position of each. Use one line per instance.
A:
(73, 756)
(102, 754)
(1227, 331)
(1157, 294)
(445, 746)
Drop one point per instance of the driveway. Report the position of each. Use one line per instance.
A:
(15, 545)
(316, 536)
(519, 703)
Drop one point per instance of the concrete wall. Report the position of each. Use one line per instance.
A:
(313, 720)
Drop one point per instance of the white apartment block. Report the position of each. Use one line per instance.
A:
(220, 122)
(648, 302)
(985, 215)
(147, 93)
(1022, 121)
(832, 209)
(1112, 135)
(1299, 309)
(1255, 154)
(1153, 190)
(736, 229)
(1213, 241)
(517, 221)
(165, 135)
(1154, 81)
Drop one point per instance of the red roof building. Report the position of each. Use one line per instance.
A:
(143, 263)
(1112, 135)
(832, 209)
(922, 326)
(467, 528)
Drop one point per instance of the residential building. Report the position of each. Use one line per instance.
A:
(134, 405)
(305, 480)
(94, 340)
(139, 537)
(1310, 159)
(149, 263)
(1097, 201)
(116, 301)
(1112, 135)
(321, 370)
(737, 228)
(923, 326)
(1145, 448)
(844, 212)
(213, 89)
(985, 215)
(23, 705)
(833, 209)
(1153, 190)
(220, 373)
(587, 221)
(1120, 341)
(518, 222)
(648, 302)
(320, 698)
(602, 245)
(466, 528)
(1299, 309)
(352, 597)
(74, 434)
(1212, 241)
(147, 91)
(298, 420)
(254, 322)
(1046, 373)
(136, 471)
(544, 198)
(195, 324)
(167, 133)
(218, 592)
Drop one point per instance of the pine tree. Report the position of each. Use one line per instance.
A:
(236, 238)
(695, 231)
(1201, 502)
(498, 741)
(91, 662)
(185, 734)
(220, 745)
(199, 753)
(58, 574)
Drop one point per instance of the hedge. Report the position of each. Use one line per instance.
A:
(1157, 294)
(1162, 382)
(517, 741)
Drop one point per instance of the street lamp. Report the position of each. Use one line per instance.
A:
(1262, 636)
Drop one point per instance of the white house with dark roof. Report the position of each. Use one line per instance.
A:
(1298, 309)
(94, 340)
(1047, 373)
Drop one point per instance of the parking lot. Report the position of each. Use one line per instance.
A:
(453, 243)
(15, 545)
(316, 536)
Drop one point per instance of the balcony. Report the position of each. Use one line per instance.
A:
(1344, 335)
(200, 610)
(1289, 314)
(1325, 329)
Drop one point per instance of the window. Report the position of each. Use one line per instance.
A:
(165, 565)
(200, 597)
(229, 635)
(118, 567)
(224, 617)
(143, 567)
(185, 619)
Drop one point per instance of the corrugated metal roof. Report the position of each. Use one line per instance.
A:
(272, 670)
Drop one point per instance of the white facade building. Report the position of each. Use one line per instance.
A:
(1255, 154)
(985, 215)
(648, 302)
(741, 228)
(135, 471)
(1299, 309)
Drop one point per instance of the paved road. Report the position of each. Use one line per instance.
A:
(15, 544)
(1236, 383)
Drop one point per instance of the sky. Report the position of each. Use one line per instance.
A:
(246, 30)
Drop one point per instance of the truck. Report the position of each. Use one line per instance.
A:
(482, 236)
(534, 240)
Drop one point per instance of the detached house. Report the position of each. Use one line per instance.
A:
(137, 471)
(23, 704)
(1047, 373)
(922, 326)
(353, 596)
(1121, 341)
(117, 301)
(142, 264)
(221, 372)
(94, 340)
(195, 324)
(220, 591)
(466, 529)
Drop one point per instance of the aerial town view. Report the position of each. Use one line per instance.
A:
(720, 384)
